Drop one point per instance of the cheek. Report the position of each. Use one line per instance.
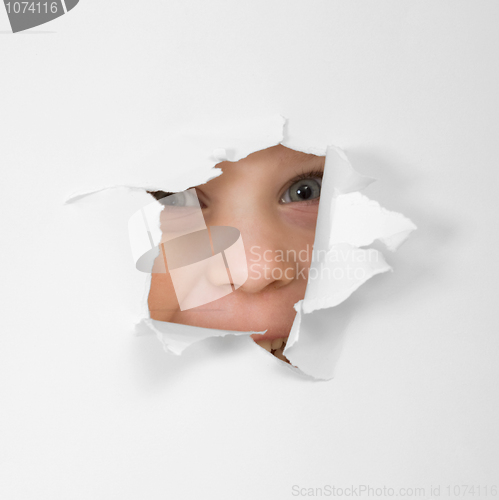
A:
(295, 239)
(302, 216)
(162, 300)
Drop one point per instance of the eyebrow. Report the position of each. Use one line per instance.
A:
(295, 152)
(311, 165)
(303, 159)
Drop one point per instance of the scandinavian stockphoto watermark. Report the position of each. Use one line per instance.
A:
(337, 263)
(206, 263)
(26, 15)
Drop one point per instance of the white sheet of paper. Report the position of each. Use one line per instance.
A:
(408, 90)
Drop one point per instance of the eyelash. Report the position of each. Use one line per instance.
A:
(159, 194)
(310, 174)
(318, 174)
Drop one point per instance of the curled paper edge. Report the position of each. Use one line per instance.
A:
(175, 337)
(198, 151)
(334, 233)
(340, 190)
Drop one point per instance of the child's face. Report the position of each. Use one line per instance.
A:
(272, 197)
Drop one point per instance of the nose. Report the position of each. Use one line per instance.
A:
(269, 262)
(268, 265)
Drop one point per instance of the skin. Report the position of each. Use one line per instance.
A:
(248, 196)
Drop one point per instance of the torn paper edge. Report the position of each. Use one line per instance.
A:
(341, 186)
(219, 142)
(334, 232)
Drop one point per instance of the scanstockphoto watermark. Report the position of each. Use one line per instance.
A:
(361, 490)
(369, 491)
(338, 263)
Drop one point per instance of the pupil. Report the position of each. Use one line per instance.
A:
(304, 192)
(173, 200)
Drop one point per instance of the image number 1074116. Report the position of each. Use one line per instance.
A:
(25, 15)
(33, 7)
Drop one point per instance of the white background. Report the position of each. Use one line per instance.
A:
(88, 411)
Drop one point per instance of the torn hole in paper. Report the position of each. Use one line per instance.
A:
(234, 253)
(251, 237)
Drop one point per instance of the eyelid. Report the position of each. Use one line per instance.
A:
(316, 173)
(159, 195)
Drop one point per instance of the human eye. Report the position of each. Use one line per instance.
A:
(307, 187)
(182, 199)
